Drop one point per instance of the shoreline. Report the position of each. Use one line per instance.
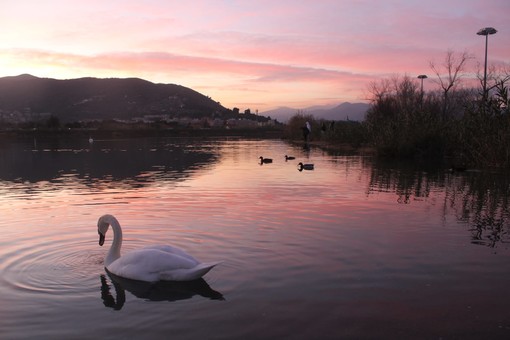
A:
(344, 148)
(262, 133)
(133, 133)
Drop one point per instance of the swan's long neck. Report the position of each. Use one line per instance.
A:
(114, 252)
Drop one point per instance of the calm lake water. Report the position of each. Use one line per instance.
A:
(356, 248)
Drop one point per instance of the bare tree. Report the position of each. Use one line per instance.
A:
(450, 73)
(378, 90)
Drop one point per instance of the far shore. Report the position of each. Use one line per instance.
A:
(251, 133)
(128, 133)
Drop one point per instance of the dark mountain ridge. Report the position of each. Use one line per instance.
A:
(100, 99)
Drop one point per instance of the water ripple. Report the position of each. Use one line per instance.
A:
(51, 267)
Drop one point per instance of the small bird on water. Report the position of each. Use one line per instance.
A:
(265, 160)
(307, 166)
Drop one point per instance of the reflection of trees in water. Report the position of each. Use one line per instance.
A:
(407, 180)
(480, 199)
(489, 231)
(103, 164)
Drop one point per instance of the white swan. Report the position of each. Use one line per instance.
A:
(151, 264)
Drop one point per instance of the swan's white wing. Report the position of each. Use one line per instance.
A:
(173, 250)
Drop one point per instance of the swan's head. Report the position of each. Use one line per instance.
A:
(102, 227)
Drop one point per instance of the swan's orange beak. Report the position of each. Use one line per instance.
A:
(101, 238)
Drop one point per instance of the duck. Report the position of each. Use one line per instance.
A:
(265, 160)
(289, 158)
(150, 264)
(307, 166)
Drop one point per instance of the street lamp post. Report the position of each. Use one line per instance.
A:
(486, 31)
(421, 77)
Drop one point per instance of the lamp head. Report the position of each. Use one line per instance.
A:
(487, 31)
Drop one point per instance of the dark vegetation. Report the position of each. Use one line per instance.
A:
(466, 126)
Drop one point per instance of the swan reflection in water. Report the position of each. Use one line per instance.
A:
(156, 291)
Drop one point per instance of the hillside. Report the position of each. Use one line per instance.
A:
(28, 97)
(344, 111)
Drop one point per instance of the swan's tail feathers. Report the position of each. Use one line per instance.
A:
(203, 268)
(188, 274)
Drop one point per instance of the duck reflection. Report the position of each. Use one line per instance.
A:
(158, 291)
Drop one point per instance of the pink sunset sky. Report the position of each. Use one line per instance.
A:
(257, 54)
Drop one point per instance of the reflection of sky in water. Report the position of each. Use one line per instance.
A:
(127, 161)
(390, 243)
(222, 177)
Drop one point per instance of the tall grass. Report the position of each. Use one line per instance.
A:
(471, 131)
(467, 130)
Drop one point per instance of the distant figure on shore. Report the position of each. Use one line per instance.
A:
(307, 129)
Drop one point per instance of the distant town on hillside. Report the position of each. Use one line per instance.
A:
(26, 99)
